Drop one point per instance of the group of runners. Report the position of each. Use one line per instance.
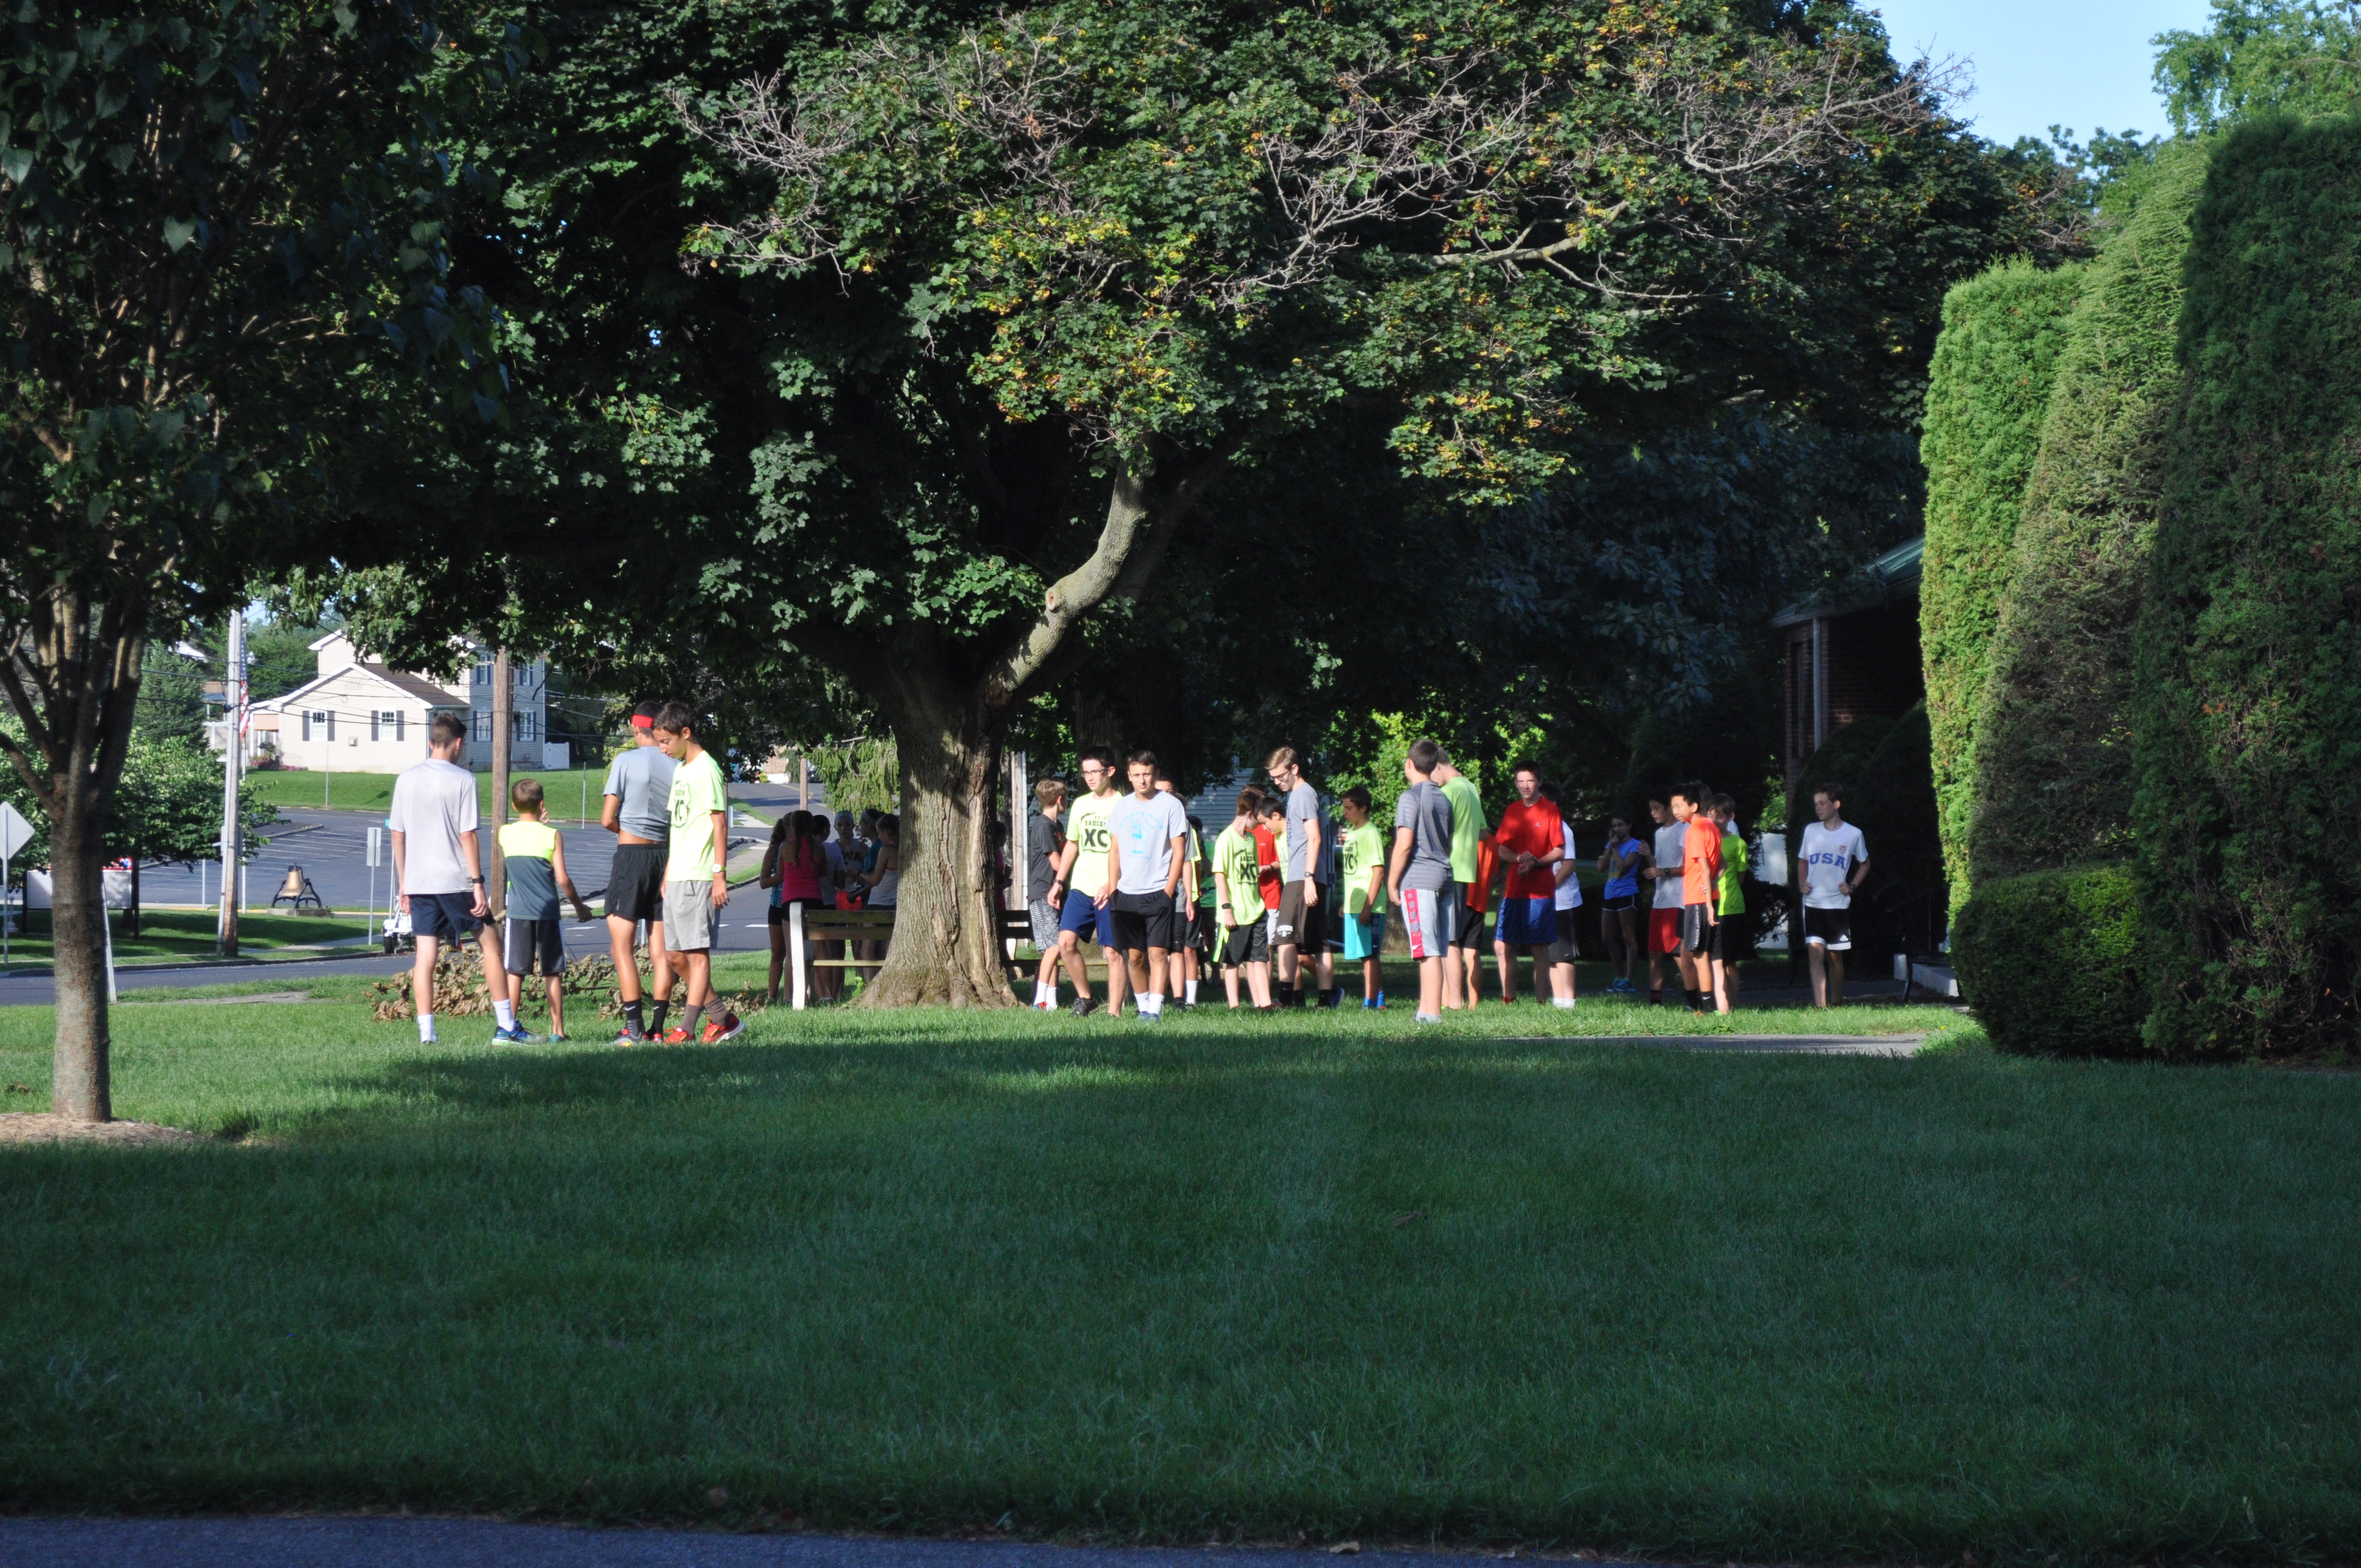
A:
(1280, 894)
(667, 803)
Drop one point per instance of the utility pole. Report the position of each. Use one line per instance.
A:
(232, 844)
(503, 705)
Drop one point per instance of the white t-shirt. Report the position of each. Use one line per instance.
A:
(1143, 832)
(1569, 889)
(1668, 860)
(1830, 856)
(433, 810)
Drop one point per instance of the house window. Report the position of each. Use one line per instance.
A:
(385, 724)
(524, 726)
(479, 725)
(319, 726)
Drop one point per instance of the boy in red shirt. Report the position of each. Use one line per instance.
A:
(1268, 835)
(1529, 842)
(1701, 877)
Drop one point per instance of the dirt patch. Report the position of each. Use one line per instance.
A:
(42, 1128)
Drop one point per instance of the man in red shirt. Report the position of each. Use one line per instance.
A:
(1701, 875)
(1529, 842)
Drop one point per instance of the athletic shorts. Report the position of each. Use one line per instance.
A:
(1526, 922)
(1713, 948)
(1365, 937)
(448, 917)
(1143, 920)
(1205, 931)
(1467, 921)
(1044, 915)
(688, 916)
(1830, 928)
(1697, 929)
(1246, 944)
(1086, 920)
(1430, 919)
(635, 882)
(1303, 923)
(778, 915)
(1623, 901)
(523, 941)
(1567, 947)
(1664, 930)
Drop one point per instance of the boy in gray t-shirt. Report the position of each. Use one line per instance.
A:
(1417, 876)
(637, 810)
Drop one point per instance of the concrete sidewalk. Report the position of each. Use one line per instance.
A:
(377, 1543)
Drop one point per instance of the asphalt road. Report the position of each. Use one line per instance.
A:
(477, 1543)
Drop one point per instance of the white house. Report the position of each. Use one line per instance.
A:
(356, 716)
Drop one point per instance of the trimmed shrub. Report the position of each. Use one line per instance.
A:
(2248, 700)
(1987, 392)
(2053, 758)
(2055, 963)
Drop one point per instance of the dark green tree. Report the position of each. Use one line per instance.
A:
(1987, 395)
(2247, 714)
(2300, 56)
(220, 239)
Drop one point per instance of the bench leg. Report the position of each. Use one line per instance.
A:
(796, 952)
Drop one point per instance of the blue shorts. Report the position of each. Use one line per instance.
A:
(448, 917)
(1364, 936)
(1086, 919)
(1527, 922)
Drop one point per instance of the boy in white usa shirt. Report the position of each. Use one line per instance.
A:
(1835, 863)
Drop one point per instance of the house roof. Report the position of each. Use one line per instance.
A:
(1889, 576)
(410, 686)
(322, 642)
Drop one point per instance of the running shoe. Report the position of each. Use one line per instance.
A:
(676, 1036)
(727, 1026)
(626, 1036)
(510, 1038)
(1082, 1007)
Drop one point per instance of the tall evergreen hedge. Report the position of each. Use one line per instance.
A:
(2053, 768)
(2248, 715)
(1988, 389)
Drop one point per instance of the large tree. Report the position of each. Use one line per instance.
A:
(220, 243)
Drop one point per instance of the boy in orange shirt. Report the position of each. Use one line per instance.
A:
(1700, 878)
(1529, 842)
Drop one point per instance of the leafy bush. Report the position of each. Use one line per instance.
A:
(2248, 679)
(2053, 755)
(2054, 962)
(1987, 392)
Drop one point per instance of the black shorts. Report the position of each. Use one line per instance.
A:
(779, 910)
(1470, 932)
(1300, 921)
(1143, 920)
(1713, 948)
(1830, 928)
(1696, 930)
(448, 917)
(635, 882)
(1246, 944)
(522, 942)
(1205, 930)
(1623, 901)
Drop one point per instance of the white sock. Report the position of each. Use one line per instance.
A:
(426, 1028)
(1561, 1002)
(1038, 989)
(1151, 1003)
(504, 1015)
(1192, 986)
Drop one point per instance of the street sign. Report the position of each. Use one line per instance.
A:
(14, 831)
(375, 845)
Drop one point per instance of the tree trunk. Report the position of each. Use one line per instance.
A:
(79, 1083)
(946, 948)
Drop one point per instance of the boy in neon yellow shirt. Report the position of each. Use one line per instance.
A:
(1362, 876)
(696, 878)
(1237, 904)
(1730, 898)
(536, 858)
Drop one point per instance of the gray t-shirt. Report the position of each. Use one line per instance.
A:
(1143, 831)
(642, 779)
(1043, 841)
(433, 810)
(1425, 810)
(1302, 810)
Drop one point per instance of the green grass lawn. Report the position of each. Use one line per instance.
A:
(1223, 1277)
(191, 933)
(573, 794)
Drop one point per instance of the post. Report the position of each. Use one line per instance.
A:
(802, 780)
(375, 859)
(232, 762)
(106, 923)
(503, 705)
(1020, 791)
(327, 757)
(795, 949)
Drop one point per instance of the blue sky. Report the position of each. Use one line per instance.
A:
(2079, 64)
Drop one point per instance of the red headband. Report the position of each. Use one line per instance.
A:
(642, 721)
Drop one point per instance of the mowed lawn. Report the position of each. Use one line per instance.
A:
(1223, 1278)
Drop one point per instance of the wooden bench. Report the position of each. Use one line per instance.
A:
(831, 926)
(1016, 931)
